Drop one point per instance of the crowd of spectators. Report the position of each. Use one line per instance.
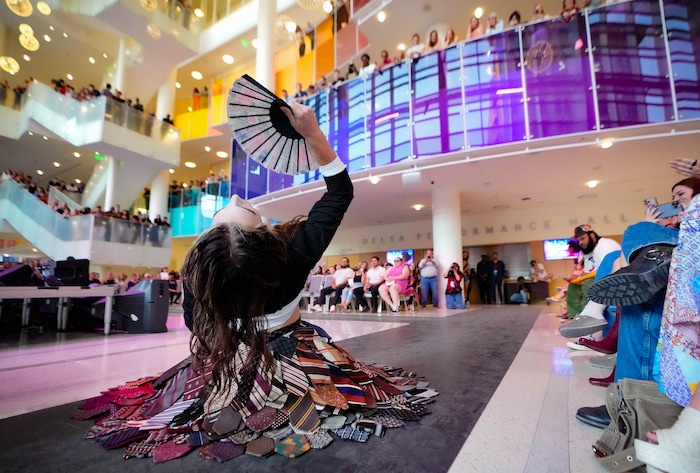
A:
(417, 48)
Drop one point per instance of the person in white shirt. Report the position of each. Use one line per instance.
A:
(374, 277)
(341, 278)
(367, 67)
(428, 279)
(538, 272)
(417, 47)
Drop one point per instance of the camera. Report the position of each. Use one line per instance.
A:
(450, 273)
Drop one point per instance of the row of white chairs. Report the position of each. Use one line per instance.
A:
(319, 281)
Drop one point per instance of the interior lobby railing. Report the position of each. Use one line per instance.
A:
(626, 64)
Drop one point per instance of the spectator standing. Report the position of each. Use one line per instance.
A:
(498, 271)
(416, 48)
(428, 279)
(484, 276)
(453, 289)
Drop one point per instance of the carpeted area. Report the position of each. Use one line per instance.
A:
(464, 356)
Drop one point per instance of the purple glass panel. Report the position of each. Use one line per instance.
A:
(493, 90)
(239, 161)
(388, 115)
(631, 68)
(558, 78)
(683, 25)
(257, 179)
(346, 123)
(438, 124)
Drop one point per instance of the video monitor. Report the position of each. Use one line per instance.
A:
(406, 255)
(558, 249)
(75, 272)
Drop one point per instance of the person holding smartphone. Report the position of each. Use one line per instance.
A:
(428, 279)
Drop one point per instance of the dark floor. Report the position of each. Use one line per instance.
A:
(464, 356)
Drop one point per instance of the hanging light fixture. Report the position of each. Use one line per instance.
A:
(20, 7)
(328, 6)
(153, 31)
(9, 65)
(29, 42)
(285, 28)
(26, 29)
(310, 4)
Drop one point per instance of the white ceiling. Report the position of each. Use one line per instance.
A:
(547, 177)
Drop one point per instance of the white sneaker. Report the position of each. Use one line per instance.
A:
(576, 346)
(332, 309)
(316, 308)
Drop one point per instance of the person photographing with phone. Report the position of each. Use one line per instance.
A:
(428, 279)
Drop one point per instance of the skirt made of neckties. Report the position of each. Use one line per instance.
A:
(314, 393)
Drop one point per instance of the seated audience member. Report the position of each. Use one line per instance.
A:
(475, 30)
(450, 38)
(374, 278)
(434, 43)
(355, 286)
(538, 272)
(367, 68)
(453, 288)
(522, 296)
(94, 279)
(341, 278)
(395, 283)
(514, 19)
(132, 281)
(416, 48)
(384, 61)
(493, 24)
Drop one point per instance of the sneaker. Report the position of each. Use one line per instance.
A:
(332, 309)
(577, 346)
(394, 309)
(582, 325)
(316, 308)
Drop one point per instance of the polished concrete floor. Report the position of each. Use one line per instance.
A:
(528, 425)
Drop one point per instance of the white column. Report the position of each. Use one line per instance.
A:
(166, 96)
(110, 186)
(159, 195)
(447, 233)
(265, 54)
(120, 69)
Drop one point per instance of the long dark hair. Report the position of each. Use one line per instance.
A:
(692, 182)
(231, 270)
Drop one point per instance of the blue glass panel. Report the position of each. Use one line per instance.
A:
(438, 122)
(257, 179)
(387, 116)
(631, 68)
(239, 161)
(346, 123)
(558, 78)
(683, 25)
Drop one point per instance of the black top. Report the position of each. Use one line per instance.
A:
(307, 247)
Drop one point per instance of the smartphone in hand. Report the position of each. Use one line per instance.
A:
(670, 209)
(651, 202)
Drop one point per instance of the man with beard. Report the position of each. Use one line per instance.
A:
(341, 277)
(587, 316)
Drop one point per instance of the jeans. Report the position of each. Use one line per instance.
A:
(428, 285)
(454, 301)
(519, 297)
(638, 338)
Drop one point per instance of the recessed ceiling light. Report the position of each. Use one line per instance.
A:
(227, 58)
(222, 154)
(26, 58)
(104, 55)
(418, 206)
(606, 144)
(374, 180)
(177, 85)
(40, 172)
(171, 171)
(401, 47)
(184, 184)
(196, 75)
(69, 76)
(255, 43)
(51, 27)
(91, 59)
(78, 181)
(45, 138)
(43, 8)
(479, 12)
(65, 35)
(76, 154)
(56, 164)
(592, 184)
(30, 133)
(328, 6)
(381, 16)
(47, 38)
(198, 13)
(189, 109)
(190, 164)
(207, 148)
(35, 250)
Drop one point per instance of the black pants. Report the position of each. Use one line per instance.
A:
(485, 291)
(328, 290)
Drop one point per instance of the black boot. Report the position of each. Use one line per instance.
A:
(646, 275)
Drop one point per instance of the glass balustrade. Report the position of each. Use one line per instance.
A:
(626, 64)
